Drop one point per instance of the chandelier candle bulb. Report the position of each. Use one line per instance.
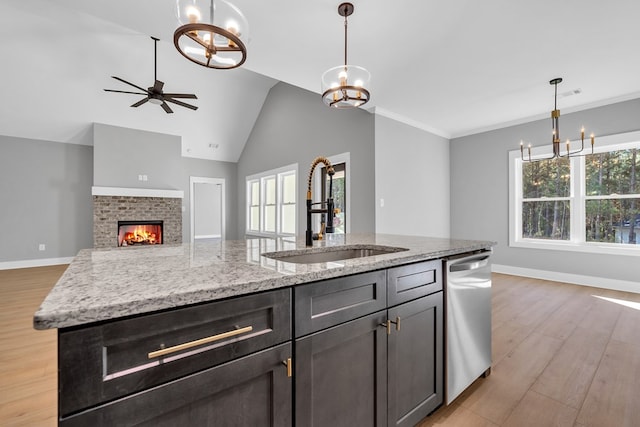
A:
(568, 146)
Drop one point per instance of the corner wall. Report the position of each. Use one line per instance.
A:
(294, 126)
(412, 178)
(121, 154)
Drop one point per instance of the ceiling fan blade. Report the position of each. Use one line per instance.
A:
(124, 91)
(180, 95)
(166, 108)
(182, 104)
(139, 103)
(130, 84)
(157, 86)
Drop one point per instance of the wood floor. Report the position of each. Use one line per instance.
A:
(563, 355)
(28, 358)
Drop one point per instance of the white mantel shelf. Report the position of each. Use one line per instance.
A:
(136, 192)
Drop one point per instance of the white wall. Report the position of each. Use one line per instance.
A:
(412, 177)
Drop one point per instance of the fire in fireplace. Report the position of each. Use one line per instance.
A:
(131, 233)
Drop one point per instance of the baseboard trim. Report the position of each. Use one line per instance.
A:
(28, 263)
(575, 279)
(208, 236)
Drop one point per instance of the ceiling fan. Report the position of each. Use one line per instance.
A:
(154, 94)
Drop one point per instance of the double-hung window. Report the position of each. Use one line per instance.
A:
(271, 202)
(588, 203)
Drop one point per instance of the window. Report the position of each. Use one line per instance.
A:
(589, 203)
(271, 202)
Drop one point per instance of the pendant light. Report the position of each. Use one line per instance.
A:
(212, 33)
(555, 134)
(345, 86)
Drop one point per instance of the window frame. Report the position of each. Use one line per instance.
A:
(577, 198)
(261, 179)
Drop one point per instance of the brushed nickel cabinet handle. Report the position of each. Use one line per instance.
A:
(201, 341)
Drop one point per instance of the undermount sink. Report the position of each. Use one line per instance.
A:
(332, 254)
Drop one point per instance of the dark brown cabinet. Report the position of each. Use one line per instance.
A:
(373, 367)
(415, 360)
(364, 350)
(341, 375)
(180, 365)
(251, 391)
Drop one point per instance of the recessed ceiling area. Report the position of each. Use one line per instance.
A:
(452, 68)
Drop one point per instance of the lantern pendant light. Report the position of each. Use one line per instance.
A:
(345, 86)
(212, 33)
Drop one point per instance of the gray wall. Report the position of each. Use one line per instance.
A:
(480, 194)
(121, 154)
(45, 193)
(412, 177)
(294, 126)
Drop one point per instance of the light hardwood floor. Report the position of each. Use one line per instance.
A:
(563, 355)
(28, 358)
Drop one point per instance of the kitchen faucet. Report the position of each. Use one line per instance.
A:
(328, 210)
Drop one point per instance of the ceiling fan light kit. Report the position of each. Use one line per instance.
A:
(155, 94)
(345, 86)
(211, 33)
(555, 134)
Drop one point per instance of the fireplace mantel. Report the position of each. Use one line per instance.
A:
(136, 192)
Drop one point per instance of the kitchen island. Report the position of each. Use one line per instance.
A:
(216, 333)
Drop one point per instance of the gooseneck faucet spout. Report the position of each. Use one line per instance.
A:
(328, 210)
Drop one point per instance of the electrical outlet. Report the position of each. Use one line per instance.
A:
(139, 177)
(41, 247)
(382, 203)
(144, 177)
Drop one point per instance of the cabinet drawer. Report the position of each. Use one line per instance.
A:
(117, 358)
(408, 282)
(251, 391)
(331, 302)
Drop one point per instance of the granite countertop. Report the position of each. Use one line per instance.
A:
(104, 284)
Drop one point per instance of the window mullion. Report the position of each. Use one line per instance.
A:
(577, 200)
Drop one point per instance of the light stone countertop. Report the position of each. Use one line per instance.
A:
(105, 284)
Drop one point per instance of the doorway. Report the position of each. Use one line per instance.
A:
(207, 197)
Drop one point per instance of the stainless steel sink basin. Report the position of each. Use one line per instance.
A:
(332, 254)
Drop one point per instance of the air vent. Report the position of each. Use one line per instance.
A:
(571, 92)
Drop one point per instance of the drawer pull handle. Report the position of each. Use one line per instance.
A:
(201, 341)
(397, 323)
(289, 366)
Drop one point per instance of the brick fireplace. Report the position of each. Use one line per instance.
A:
(111, 205)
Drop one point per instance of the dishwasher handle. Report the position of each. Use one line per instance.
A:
(470, 264)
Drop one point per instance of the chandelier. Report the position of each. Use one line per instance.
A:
(212, 34)
(555, 134)
(345, 86)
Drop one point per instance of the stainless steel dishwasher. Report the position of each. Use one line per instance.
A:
(468, 321)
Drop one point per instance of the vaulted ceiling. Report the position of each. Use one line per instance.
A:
(450, 67)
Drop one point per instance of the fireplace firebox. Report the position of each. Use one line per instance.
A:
(133, 233)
